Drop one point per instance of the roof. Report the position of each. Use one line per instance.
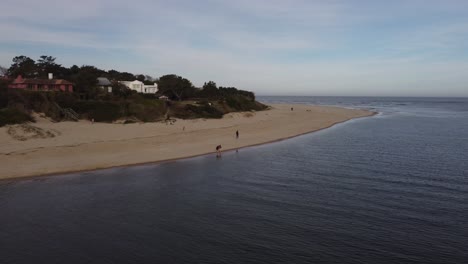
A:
(130, 82)
(41, 81)
(103, 81)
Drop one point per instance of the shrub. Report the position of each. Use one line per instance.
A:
(3, 97)
(66, 100)
(99, 111)
(146, 110)
(202, 111)
(36, 101)
(243, 103)
(10, 116)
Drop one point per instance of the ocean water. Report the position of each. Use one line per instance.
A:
(392, 188)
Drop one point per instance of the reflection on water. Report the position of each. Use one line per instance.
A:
(386, 189)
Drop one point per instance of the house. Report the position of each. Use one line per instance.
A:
(104, 84)
(141, 87)
(134, 85)
(151, 89)
(41, 84)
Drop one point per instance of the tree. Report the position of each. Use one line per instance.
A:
(3, 95)
(23, 66)
(112, 75)
(62, 72)
(121, 90)
(125, 76)
(3, 71)
(149, 78)
(175, 86)
(86, 79)
(140, 77)
(210, 89)
(46, 64)
(229, 91)
(74, 69)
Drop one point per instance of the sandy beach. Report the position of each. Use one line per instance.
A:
(46, 147)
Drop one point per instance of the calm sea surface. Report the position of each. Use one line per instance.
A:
(392, 188)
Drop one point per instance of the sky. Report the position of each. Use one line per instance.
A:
(271, 47)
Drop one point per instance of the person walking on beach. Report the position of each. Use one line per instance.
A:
(218, 151)
(237, 137)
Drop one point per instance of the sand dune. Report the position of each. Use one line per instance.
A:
(45, 147)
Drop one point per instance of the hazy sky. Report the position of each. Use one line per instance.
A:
(351, 47)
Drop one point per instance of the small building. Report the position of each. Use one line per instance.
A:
(150, 89)
(41, 84)
(133, 85)
(104, 84)
(141, 87)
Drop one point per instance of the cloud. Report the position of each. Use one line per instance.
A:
(299, 46)
(52, 10)
(19, 33)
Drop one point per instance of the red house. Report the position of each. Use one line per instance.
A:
(41, 84)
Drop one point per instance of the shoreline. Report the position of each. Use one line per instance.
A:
(346, 114)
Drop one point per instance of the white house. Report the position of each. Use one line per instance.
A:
(141, 87)
(134, 85)
(152, 89)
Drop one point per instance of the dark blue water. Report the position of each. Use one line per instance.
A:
(392, 188)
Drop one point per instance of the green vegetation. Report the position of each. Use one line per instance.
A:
(88, 101)
(242, 103)
(145, 109)
(191, 110)
(98, 111)
(9, 116)
(106, 109)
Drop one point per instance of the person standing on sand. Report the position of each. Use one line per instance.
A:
(237, 137)
(218, 151)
